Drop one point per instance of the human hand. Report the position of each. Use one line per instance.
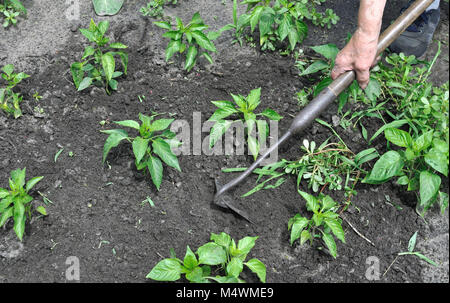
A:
(358, 55)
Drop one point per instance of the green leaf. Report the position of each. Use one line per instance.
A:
(196, 276)
(115, 137)
(253, 146)
(336, 228)
(140, 146)
(118, 45)
(8, 69)
(103, 27)
(253, 99)
(160, 124)
(315, 67)
(271, 114)
(329, 242)
(394, 124)
(77, 73)
(373, 90)
(163, 24)
(305, 236)
(218, 129)
(88, 34)
(258, 268)
(329, 51)
(166, 270)
(235, 267)
(418, 254)
(107, 7)
(222, 113)
(41, 210)
(124, 60)
(246, 244)
(423, 141)
(162, 149)
(190, 57)
(190, 260)
(128, 123)
(211, 254)
(389, 165)
(31, 183)
(19, 219)
(85, 83)
(155, 168)
(437, 160)
(222, 239)
(322, 85)
(412, 242)
(429, 187)
(254, 19)
(398, 137)
(8, 213)
(172, 48)
(284, 27)
(443, 201)
(203, 41)
(312, 204)
(18, 6)
(297, 224)
(18, 177)
(109, 65)
(3, 193)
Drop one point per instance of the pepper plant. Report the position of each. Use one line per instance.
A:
(189, 38)
(98, 65)
(222, 252)
(243, 107)
(155, 8)
(16, 202)
(323, 224)
(281, 19)
(417, 166)
(151, 147)
(9, 100)
(10, 10)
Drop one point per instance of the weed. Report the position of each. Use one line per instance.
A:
(99, 62)
(222, 252)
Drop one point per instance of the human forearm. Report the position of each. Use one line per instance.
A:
(359, 54)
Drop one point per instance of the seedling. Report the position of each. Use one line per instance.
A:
(10, 10)
(221, 252)
(411, 246)
(98, 65)
(155, 8)
(323, 224)
(243, 107)
(281, 19)
(16, 202)
(190, 38)
(9, 100)
(152, 145)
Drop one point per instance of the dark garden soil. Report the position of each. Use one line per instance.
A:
(97, 214)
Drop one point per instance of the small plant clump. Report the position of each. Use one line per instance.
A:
(189, 39)
(16, 202)
(283, 19)
(10, 10)
(222, 252)
(152, 145)
(9, 100)
(98, 65)
(323, 224)
(155, 8)
(243, 107)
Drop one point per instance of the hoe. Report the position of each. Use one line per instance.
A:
(319, 104)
